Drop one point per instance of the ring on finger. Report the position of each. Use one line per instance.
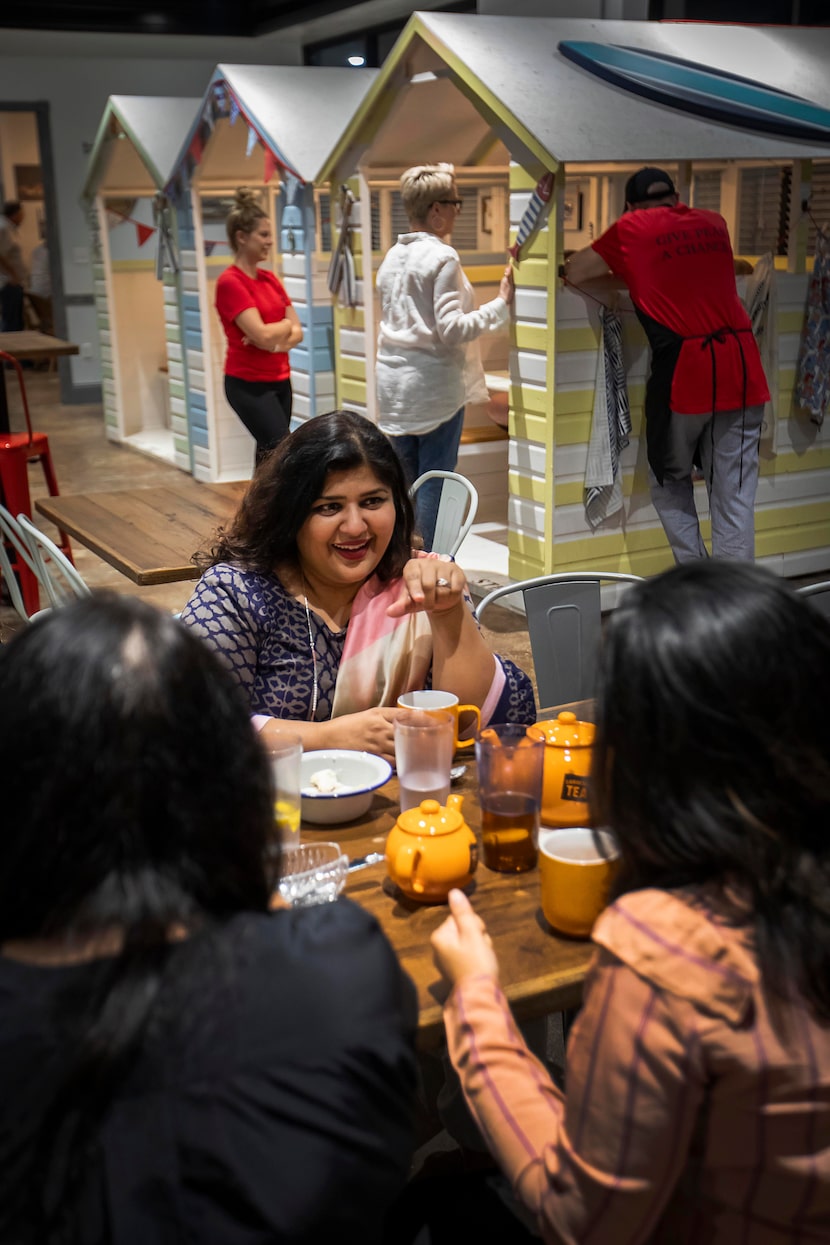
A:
(442, 583)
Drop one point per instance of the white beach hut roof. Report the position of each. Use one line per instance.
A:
(154, 125)
(513, 69)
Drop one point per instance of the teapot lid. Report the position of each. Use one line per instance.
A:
(432, 818)
(564, 731)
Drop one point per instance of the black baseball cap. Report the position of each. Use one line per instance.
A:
(648, 183)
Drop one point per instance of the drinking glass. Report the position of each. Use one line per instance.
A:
(284, 750)
(510, 792)
(423, 756)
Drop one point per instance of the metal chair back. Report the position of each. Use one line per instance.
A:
(11, 534)
(56, 573)
(457, 509)
(819, 597)
(564, 622)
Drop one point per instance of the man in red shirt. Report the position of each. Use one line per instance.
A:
(706, 391)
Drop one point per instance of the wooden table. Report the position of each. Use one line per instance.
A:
(541, 972)
(149, 534)
(28, 344)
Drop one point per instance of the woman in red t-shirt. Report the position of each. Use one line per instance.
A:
(261, 327)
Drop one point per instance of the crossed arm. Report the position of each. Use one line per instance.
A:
(281, 335)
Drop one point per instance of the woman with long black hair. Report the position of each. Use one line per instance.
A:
(698, 1072)
(177, 1062)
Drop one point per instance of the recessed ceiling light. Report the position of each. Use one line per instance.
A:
(357, 61)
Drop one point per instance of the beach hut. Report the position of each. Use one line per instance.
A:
(136, 277)
(565, 110)
(269, 127)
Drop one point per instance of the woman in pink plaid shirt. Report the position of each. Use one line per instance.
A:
(698, 1071)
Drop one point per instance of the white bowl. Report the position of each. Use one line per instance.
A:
(361, 773)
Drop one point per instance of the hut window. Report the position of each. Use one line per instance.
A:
(764, 210)
(324, 218)
(819, 201)
(706, 191)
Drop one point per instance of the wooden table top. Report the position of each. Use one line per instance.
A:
(29, 344)
(149, 534)
(541, 972)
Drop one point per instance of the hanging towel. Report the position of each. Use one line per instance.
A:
(813, 385)
(610, 425)
(341, 275)
(761, 302)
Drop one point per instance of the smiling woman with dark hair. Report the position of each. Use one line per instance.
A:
(177, 1063)
(314, 601)
(698, 1071)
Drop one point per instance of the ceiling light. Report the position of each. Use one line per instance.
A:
(356, 61)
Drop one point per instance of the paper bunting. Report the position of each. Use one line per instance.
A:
(234, 110)
(270, 167)
(253, 139)
(144, 232)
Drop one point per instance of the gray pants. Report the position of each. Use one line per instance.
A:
(729, 454)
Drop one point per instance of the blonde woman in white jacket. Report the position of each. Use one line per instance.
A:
(426, 370)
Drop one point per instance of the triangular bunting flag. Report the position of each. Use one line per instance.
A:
(196, 147)
(210, 247)
(144, 232)
(234, 112)
(270, 165)
(253, 139)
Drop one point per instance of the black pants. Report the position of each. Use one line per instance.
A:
(264, 406)
(11, 308)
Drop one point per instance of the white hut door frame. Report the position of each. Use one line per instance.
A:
(196, 193)
(369, 327)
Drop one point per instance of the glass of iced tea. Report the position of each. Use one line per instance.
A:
(284, 750)
(510, 793)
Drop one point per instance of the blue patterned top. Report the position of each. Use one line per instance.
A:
(260, 633)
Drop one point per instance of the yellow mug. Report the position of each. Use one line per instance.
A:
(577, 866)
(442, 702)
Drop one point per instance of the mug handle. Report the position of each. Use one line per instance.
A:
(459, 709)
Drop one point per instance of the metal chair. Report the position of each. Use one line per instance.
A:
(818, 596)
(17, 450)
(55, 572)
(457, 509)
(21, 561)
(564, 621)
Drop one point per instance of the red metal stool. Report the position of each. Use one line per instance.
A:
(17, 450)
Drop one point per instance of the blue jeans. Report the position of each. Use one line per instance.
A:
(431, 451)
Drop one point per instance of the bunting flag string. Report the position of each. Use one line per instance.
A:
(234, 110)
(143, 232)
(253, 139)
(270, 165)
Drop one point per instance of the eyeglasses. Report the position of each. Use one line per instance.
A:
(456, 203)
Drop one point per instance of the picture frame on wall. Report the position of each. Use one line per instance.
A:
(29, 182)
(574, 208)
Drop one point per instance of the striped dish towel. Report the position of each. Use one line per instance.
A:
(610, 425)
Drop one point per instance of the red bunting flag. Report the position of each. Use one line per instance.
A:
(270, 165)
(196, 147)
(144, 232)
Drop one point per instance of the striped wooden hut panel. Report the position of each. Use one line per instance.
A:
(349, 322)
(173, 336)
(196, 315)
(99, 237)
(304, 276)
(532, 349)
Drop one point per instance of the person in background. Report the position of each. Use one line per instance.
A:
(314, 601)
(428, 365)
(706, 391)
(12, 268)
(177, 1062)
(40, 285)
(698, 1071)
(261, 327)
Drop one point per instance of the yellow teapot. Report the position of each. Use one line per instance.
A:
(568, 748)
(430, 850)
